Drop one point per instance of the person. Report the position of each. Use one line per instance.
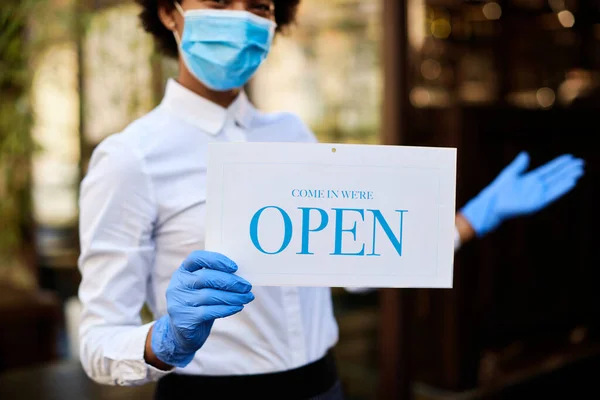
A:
(142, 205)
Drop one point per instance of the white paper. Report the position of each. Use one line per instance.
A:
(411, 189)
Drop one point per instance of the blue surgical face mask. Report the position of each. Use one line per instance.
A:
(224, 48)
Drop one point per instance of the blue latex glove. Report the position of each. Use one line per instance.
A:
(203, 289)
(514, 193)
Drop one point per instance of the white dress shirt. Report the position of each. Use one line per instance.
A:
(142, 208)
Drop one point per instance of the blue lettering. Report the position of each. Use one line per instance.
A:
(309, 226)
(287, 225)
(339, 221)
(306, 226)
(396, 242)
(309, 193)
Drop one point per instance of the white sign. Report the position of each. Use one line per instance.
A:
(305, 214)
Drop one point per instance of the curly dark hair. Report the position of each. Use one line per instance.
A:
(285, 14)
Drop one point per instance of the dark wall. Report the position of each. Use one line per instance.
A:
(526, 292)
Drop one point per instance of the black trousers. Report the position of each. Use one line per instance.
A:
(315, 381)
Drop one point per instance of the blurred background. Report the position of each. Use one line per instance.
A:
(488, 77)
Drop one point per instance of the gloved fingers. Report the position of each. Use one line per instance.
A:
(214, 297)
(553, 166)
(208, 278)
(517, 166)
(210, 313)
(559, 189)
(570, 172)
(208, 259)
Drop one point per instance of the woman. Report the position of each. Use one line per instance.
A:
(142, 233)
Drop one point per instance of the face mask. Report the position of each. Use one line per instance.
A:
(224, 48)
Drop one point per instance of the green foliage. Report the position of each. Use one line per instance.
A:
(16, 145)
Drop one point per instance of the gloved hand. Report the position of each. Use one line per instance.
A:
(514, 193)
(202, 289)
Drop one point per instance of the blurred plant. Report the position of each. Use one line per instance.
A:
(16, 145)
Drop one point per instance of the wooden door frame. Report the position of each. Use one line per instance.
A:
(396, 305)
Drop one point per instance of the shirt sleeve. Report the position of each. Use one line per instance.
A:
(363, 290)
(457, 242)
(117, 214)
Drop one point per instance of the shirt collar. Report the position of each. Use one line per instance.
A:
(205, 114)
